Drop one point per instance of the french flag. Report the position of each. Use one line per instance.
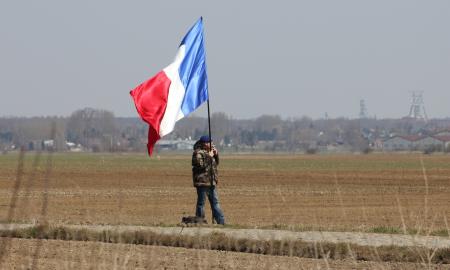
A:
(177, 90)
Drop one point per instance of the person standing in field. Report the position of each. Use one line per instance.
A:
(205, 178)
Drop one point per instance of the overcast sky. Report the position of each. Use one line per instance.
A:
(290, 58)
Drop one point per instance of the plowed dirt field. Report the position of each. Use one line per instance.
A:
(340, 192)
(361, 193)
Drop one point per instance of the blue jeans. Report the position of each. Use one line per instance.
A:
(213, 198)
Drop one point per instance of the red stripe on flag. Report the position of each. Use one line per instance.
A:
(153, 136)
(150, 99)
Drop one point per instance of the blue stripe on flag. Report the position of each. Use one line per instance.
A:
(193, 69)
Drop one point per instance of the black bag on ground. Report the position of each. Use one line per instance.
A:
(193, 220)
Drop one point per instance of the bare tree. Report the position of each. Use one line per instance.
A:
(92, 128)
(220, 126)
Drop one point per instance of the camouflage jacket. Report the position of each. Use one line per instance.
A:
(201, 167)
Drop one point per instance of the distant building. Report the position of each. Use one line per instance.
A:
(429, 142)
(48, 144)
(73, 147)
(401, 143)
(442, 133)
(438, 142)
(444, 139)
(175, 144)
(377, 144)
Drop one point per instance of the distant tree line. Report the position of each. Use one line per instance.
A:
(99, 130)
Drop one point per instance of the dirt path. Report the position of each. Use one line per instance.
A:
(358, 238)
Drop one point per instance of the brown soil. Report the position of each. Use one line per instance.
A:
(54, 254)
(349, 192)
(345, 192)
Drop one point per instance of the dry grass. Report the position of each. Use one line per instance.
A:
(78, 255)
(219, 241)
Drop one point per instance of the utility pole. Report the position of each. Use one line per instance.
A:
(417, 108)
(362, 109)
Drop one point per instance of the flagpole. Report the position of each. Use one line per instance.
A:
(211, 179)
(209, 126)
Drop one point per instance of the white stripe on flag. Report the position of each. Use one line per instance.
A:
(176, 95)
